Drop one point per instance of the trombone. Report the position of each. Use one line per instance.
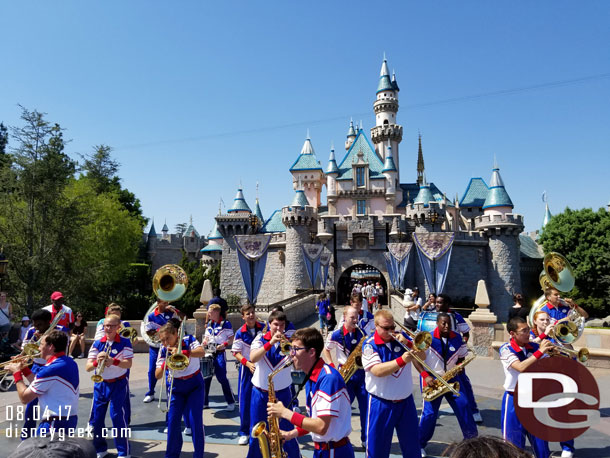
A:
(422, 344)
(174, 362)
(22, 359)
(33, 348)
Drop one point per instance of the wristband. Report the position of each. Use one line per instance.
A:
(302, 432)
(95, 363)
(18, 376)
(542, 336)
(401, 362)
(424, 374)
(116, 362)
(297, 419)
(26, 371)
(186, 353)
(244, 361)
(267, 346)
(538, 354)
(226, 343)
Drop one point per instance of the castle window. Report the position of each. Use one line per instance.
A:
(385, 123)
(360, 176)
(361, 207)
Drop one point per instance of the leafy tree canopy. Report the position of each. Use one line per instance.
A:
(583, 237)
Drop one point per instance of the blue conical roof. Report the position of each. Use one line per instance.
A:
(394, 83)
(215, 233)
(388, 165)
(299, 199)
(307, 160)
(332, 164)
(351, 132)
(152, 232)
(385, 83)
(497, 195)
(547, 216)
(258, 212)
(165, 228)
(191, 231)
(424, 196)
(239, 203)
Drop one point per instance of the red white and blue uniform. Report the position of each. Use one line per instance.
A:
(57, 386)
(187, 398)
(156, 319)
(241, 344)
(270, 361)
(113, 391)
(327, 396)
(99, 328)
(443, 355)
(30, 337)
(220, 332)
(65, 320)
(366, 322)
(556, 313)
(512, 429)
(342, 343)
(391, 406)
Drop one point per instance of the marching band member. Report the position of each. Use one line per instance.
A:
(446, 351)
(162, 313)
(365, 318)
(115, 354)
(341, 343)
(443, 304)
(557, 309)
(56, 306)
(387, 367)
(41, 321)
(289, 330)
(328, 402)
(188, 389)
(56, 384)
(112, 309)
(516, 356)
(241, 351)
(219, 334)
(266, 355)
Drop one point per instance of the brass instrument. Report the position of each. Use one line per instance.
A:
(22, 359)
(435, 389)
(285, 345)
(270, 442)
(128, 332)
(174, 362)
(33, 348)
(97, 373)
(422, 340)
(581, 355)
(354, 360)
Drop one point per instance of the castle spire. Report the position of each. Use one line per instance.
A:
(420, 163)
(258, 212)
(239, 203)
(385, 83)
(388, 165)
(351, 132)
(547, 215)
(424, 196)
(332, 163)
(497, 196)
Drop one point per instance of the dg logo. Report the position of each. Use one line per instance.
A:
(557, 399)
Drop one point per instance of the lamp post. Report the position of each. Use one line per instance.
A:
(3, 266)
(433, 217)
(253, 223)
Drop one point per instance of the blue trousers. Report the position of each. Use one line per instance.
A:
(514, 432)
(29, 424)
(386, 416)
(153, 353)
(466, 390)
(244, 393)
(220, 370)
(342, 452)
(187, 397)
(356, 390)
(114, 394)
(258, 412)
(58, 425)
(462, 411)
(568, 446)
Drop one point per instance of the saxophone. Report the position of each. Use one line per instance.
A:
(353, 363)
(435, 389)
(270, 442)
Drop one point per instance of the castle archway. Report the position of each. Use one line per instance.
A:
(359, 273)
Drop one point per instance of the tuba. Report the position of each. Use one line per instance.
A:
(129, 333)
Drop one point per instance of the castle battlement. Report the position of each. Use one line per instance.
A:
(386, 132)
(508, 223)
(234, 224)
(292, 216)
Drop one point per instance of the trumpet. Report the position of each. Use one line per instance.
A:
(285, 345)
(129, 333)
(97, 373)
(581, 355)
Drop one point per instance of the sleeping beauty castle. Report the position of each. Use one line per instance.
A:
(455, 241)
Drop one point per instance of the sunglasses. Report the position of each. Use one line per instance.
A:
(386, 328)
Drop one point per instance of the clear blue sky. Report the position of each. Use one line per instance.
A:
(195, 96)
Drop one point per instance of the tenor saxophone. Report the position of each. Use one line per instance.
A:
(435, 389)
(353, 362)
(270, 442)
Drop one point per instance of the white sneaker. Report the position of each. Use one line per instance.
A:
(567, 454)
(188, 431)
(81, 356)
(477, 417)
(148, 398)
(243, 440)
(230, 407)
(102, 454)
(423, 453)
(165, 430)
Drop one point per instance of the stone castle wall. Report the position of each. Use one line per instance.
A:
(272, 289)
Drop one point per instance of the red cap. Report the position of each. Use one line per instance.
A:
(56, 296)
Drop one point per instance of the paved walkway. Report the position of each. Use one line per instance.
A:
(221, 427)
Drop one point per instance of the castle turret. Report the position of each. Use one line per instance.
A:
(351, 135)
(258, 212)
(386, 130)
(420, 163)
(391, 176)
(239, 204)
(165, 232)
(547, 215)
(497, 200)
(307, 174)
(424, 196)
(332, 172)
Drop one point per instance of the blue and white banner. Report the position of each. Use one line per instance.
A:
(311, 254)
(252, 255)
(399, 259)
(390, 267)
(325, 258)
(434, 249)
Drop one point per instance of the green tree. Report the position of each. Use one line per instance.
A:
(197, 274)
(583, 237)
(4, 158)
(180, 228)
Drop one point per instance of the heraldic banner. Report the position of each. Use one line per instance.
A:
(311, 253)
(325, 258)
(434, 249)
(398, 259)
(252, 255)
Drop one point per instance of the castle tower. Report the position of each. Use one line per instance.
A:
(307, 174)
(351, 135)
(386, 130)
(424, 196)
(391, 175)
(332, 172)
(420, 163)
(165, 233)
(259, 214)
(239, 203)
(502, 229)
(300, 222)
(547, 216)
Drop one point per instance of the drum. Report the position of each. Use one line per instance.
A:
(427, 321)
(207, 367)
